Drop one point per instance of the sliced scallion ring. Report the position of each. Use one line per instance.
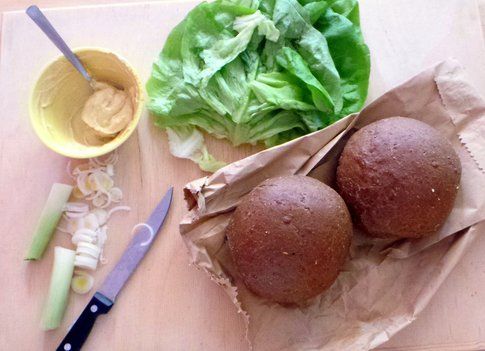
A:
(78, 207)
(101, 215)
(82, 283)
(88, 249)
(85, 262)
(116, 194)
(79, 238)
(118, 208)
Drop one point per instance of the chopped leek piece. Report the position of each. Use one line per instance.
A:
(82, 283)
(50, 216)
(88, 249)
(59, 288)
(86, 262)
(78, 238)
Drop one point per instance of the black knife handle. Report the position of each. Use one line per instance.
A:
(79, 332)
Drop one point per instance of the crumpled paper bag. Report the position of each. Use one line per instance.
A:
(384, 284)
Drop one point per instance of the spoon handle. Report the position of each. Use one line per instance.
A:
(38, 17)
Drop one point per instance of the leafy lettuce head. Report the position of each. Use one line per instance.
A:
(259, 71)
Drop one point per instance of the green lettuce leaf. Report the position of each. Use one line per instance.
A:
(258, 71)
(188, 142)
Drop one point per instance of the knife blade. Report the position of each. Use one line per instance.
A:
(105, 297)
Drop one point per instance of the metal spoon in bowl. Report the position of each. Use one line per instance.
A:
(39, 18)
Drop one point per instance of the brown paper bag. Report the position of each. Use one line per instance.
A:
(384, 284)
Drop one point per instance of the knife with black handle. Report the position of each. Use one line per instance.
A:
(79, 332)
(105, 297)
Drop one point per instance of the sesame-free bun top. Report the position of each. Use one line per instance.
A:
(289, 238)
(399, 177)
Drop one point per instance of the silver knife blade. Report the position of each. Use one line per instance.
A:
(136, 250)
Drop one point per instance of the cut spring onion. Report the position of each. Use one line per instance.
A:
(89, 234)
(116, 194)
(78, 207)
(118, 208)
(110, 170)
(94, 181)
(101, 215)
(59, 288)
(102, 200)
(50, 216)
(82, 282)
(86, 262)
(80, 237)
(91, 221)
(88, 249)
(87, 225)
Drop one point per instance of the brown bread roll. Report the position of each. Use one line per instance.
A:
(399, 177)
(289, 238)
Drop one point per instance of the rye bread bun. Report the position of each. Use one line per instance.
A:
(289, 238)
(399, 177)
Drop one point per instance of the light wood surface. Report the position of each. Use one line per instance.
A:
(169, 305)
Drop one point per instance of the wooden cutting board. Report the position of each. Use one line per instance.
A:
(167, 304)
